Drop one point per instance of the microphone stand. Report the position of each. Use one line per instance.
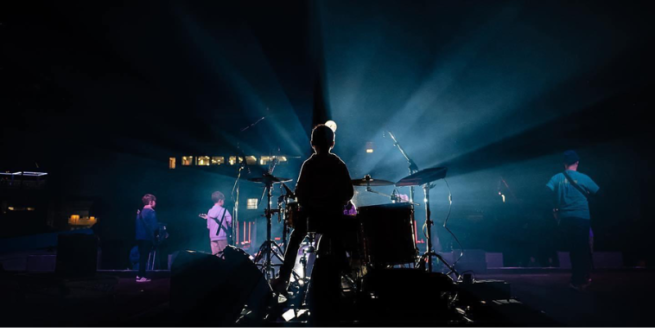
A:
(413, 168)
(236, 187)
(235, 199)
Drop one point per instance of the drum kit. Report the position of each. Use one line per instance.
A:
(374, 237)
(377, 236)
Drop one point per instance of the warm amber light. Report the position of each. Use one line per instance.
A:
(202, 161)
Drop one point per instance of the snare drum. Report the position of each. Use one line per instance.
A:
(388, 232)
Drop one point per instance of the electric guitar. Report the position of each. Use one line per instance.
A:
(228, 232)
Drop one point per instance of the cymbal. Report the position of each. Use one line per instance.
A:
(269, 179)
(422, 177)
(368, 181)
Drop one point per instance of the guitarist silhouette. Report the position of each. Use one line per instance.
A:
(219, 222)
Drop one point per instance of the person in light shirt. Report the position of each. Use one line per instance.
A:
(571, 209)
(218, 233)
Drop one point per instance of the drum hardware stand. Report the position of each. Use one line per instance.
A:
(284, 199)
(285, 227)
(429, 253)
(425, 178)
(303, 260)
(269, 246)
(301, 282)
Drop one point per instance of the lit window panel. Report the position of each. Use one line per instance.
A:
(202, 161)
(187, 160)
(218, 160)
(252, 203)
(171, 163)
(233, 160)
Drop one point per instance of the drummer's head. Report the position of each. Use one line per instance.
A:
(322, 139)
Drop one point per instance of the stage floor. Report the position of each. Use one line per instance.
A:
(616, 298)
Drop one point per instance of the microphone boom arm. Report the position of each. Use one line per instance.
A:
(413, 168)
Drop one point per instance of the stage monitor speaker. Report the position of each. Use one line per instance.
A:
(407, 288)
(77, 255)
(208, 290)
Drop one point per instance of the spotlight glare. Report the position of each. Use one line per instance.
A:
(332, 125)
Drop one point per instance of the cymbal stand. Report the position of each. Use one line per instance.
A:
(269, 246)
(429, 253)
(413, 168)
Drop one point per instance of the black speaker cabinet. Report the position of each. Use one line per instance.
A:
(208, 290)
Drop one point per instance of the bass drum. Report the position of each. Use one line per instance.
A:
(388, 233)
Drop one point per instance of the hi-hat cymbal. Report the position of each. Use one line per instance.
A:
(422, 177)
(368, 181)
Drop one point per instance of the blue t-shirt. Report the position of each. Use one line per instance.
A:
(146, 225)
(570, 201)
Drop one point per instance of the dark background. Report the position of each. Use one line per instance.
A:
(101, 94)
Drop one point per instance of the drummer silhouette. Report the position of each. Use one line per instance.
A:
(323, 189)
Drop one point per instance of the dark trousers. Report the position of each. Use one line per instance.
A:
(324, 294)
(145, 246)
(322, 223)
(324, 291)
(576, 236)
(291, 251)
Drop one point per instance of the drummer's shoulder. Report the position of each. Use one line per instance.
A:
(337, 158)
